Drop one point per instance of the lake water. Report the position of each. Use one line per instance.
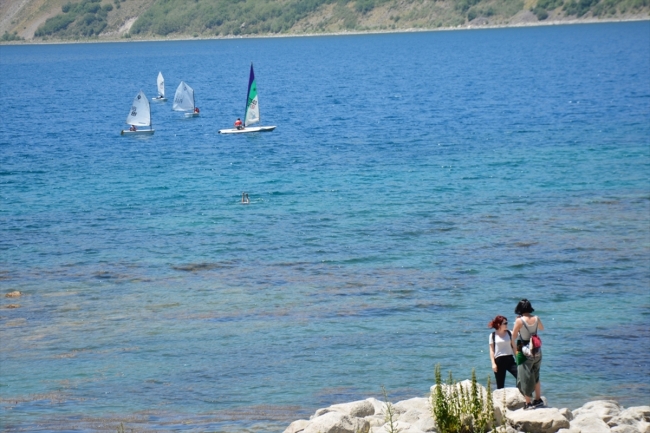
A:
(416, 186)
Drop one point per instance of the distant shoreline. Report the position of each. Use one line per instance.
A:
(346, 33)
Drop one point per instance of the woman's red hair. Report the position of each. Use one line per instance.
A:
(496, 322)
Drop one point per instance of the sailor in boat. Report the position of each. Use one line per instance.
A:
(133, 128)
(238, 124)
(196, 110)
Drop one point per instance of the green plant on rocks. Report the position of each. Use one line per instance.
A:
(457, 409)
(391, 426)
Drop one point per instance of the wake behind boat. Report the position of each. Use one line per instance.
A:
(184, 100)
(252, 114)
(160, 82)
(140, 115)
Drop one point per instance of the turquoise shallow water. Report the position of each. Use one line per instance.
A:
(416, 186)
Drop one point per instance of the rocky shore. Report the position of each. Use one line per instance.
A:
(414, 416)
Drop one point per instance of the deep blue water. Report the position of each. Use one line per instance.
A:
(416, 186)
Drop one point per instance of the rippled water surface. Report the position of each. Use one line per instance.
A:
(416, 186)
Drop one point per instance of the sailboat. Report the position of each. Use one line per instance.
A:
(252, 113)
(184, 100)
(161, 89)
(140, 115)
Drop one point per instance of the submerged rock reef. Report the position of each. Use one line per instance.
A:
(415, 416)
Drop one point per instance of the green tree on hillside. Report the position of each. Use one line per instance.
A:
(84, 19)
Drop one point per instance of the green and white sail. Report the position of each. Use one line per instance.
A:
(252, 113)
(252, 106)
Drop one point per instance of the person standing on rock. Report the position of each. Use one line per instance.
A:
(527, 325)
(502, 350)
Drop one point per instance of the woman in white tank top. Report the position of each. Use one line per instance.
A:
(502, 350)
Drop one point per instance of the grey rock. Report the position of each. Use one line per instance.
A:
(548, 420)
(422, 404)
(297, 426)
(403, 427)
(411, 416)
(337, 422)
(375, 420)
(566, 413)
(358, 409)
(426, 424)
(603, 409)
(379, 405)
(631, 415)
(588, 422)
(625, 429)
(514, 399)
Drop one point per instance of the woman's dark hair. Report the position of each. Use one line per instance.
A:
(524, 307)
(496, 322)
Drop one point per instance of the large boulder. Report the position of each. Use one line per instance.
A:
(421, 404)
(513, 398)
(375, 420)
(359, 409)
(399, 426)
(297, 426)
(548, 420)
(588, 422)
(418, 419)
(625, 429)
(411, 416)
(426, 424)
(379, 405)
(337, 422)
(631, 416)
(603, 409)
(566, 413)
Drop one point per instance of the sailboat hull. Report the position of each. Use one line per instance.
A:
(142, 132)
(247, 130)
(191, 114)
(159, 99)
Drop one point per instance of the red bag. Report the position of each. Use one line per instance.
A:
(537, 342)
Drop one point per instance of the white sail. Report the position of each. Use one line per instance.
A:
(161, 85)
(140, 114)
(184, 98)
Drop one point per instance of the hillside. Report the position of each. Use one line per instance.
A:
(70, 20)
